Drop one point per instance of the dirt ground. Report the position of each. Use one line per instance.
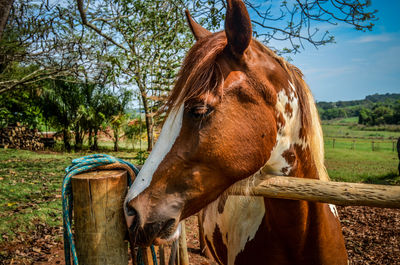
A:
(372, 237)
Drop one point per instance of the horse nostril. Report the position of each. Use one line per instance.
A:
(130, 211)
(132, 218)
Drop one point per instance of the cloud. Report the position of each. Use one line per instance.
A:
(374, 38)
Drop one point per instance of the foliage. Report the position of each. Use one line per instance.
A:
(133, 129)
(83, 108)
(145, 46)
(45, 38)
(21, 107)
(380, 114)
(373, 110)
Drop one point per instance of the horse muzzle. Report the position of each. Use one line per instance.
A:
(145, 233)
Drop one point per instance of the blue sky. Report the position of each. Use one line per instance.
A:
(359, 63)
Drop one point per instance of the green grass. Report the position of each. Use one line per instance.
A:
(30, 188)
(361, 164)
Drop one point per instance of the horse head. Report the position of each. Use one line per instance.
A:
(234, 110)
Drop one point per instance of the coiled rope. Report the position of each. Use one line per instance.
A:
(79, 165)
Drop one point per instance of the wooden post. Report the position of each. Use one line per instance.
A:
(100, 226)
(340, 193)
(333, 143)
(161, 254)
(183, 254)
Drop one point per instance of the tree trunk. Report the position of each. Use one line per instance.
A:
(90, 138)
(67, 145)
(149, 124)
(79, 135)
(150, 136)
(5, 7)
(116, 139)
(78, 142)
(95, 143)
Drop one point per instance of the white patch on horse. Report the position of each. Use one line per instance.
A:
(238, 223)
(288, 134)
(334, 210)
(166, 140)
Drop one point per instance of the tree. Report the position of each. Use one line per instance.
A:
(21, 107)
(60, 104)
(45, 38)
(5, 7)
(295, 22)
(146, 46)
(117, 116)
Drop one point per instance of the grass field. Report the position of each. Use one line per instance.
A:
(30, 182)
(361, 164)
(30, 188)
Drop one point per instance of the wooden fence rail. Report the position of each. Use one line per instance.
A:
(375, 144)
(339, 193)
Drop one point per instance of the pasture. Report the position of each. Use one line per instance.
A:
(30, 196)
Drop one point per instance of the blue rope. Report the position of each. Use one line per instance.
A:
(80, 165)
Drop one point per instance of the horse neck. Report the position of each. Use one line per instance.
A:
(299, 146)
(310, 226)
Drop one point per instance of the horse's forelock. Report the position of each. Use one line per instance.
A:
(200, 72)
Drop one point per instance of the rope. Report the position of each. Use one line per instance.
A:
(79, 165)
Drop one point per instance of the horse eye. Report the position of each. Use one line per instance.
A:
(201, 111)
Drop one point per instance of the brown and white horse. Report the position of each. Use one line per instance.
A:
(236, 109)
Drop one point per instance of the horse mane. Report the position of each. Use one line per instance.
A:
(201, 73)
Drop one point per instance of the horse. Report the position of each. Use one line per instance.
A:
(237, 110)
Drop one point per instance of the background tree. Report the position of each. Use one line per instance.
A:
(5, 7)
(43, 40)
(146, 46)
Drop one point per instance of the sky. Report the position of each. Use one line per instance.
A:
(359, 63)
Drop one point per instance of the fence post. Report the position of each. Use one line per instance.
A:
(161, 254)
(100, 226)
(333, 143)
(183, 254)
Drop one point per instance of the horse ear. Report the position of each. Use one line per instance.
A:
(197, 30)
(237, 26)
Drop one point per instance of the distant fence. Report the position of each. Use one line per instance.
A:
(362, 144)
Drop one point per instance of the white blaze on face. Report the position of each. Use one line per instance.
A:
(238, 223)
(166, 140)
